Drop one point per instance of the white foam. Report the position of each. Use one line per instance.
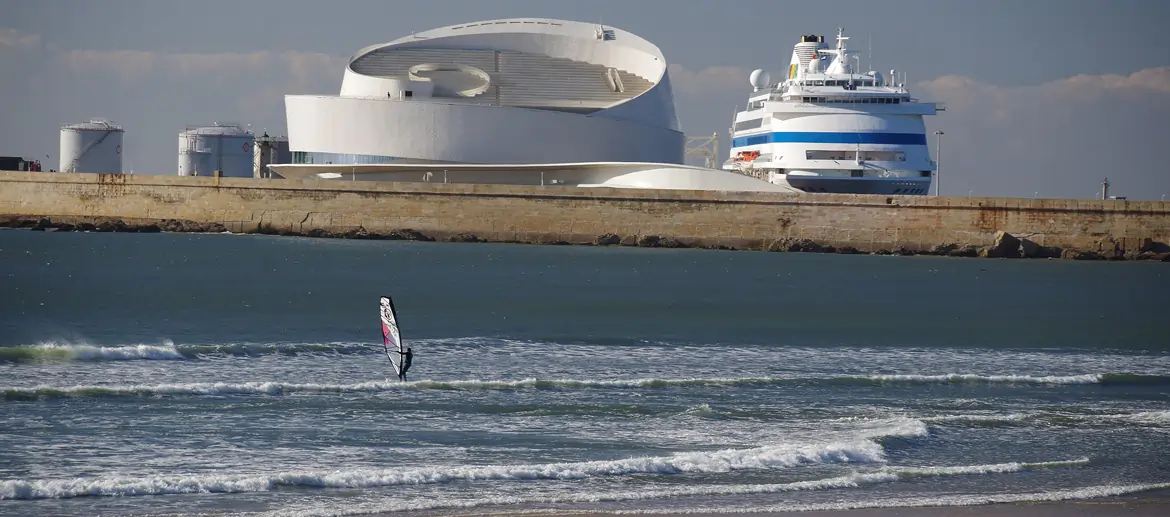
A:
(777, 456)
(1151, 418)
(1145, 417)
(998, 468)
(276, 387)
(1091, 492)
(981, 418)
(853, 480)
(87, 352)
(957, 377)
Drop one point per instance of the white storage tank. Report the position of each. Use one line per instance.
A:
(94, 146)
(223, 147)
(195, 163)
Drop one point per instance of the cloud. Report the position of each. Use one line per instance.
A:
(964, 92)
(253, 82)
(970, 101)
(1058, 138)
(129, 65)
(303, 69)
(13, 39)
(715, 79)
(953, 88)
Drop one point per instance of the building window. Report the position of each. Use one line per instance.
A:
(853, 154)
(407, 93)
(745, 125)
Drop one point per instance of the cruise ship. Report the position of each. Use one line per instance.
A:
(829, 128)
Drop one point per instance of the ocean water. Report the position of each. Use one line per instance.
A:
(165, 374)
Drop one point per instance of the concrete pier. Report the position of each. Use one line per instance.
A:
(963, 226)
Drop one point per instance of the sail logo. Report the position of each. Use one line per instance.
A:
(387, 314)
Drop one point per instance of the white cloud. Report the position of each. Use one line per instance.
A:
(13, 39)
(254, 82)
(302, 68)
(129, 65)
(714, 79)
(953, 89)
(964, 92)
(1058, 138)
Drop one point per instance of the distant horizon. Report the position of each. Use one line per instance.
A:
(1046, 124)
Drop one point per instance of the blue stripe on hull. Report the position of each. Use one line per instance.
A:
(891, 186)
(791, 137)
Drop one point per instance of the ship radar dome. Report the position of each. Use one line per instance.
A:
(759, 79)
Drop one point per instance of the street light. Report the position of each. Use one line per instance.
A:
(937, 161)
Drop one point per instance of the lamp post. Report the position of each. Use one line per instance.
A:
(937, 161)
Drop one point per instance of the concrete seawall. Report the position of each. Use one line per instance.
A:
(505, 213)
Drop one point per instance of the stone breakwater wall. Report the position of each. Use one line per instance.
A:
(960, 226)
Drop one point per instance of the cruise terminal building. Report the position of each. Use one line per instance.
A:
(513, 101)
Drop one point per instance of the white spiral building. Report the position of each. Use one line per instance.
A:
(502, 91)
(514, 101)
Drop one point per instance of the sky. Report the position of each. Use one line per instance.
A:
(1044, 98)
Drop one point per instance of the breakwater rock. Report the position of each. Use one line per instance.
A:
(1005, 245)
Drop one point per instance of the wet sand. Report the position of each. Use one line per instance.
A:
(1104, 508)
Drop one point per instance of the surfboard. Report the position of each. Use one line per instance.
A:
(391, 338)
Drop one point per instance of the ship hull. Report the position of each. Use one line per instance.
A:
(885, 186)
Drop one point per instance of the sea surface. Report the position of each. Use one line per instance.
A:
(225, 374)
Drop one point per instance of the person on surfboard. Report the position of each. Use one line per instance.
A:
(407, 356)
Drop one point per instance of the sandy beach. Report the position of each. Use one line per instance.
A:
(1145, 507)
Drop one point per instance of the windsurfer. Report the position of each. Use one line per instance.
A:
(407, 356)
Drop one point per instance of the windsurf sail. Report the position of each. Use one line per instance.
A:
(391, 339)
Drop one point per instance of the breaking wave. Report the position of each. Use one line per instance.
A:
(1051, 419)
(280, 388)
(58, 351)
(168, 350)
(47, 352)
(861, 451)
(854, 480)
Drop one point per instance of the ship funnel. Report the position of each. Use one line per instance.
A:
(803, 52)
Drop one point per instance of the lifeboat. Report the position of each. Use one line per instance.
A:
(746, 156)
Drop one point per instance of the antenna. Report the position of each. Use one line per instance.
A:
(869, 58)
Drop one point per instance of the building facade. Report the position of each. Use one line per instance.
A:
(512, 91)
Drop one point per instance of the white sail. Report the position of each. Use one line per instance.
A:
(390, 336)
